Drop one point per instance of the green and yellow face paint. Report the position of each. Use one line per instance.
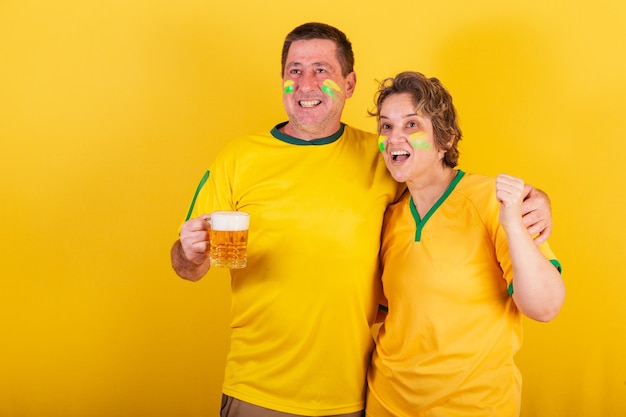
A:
(330, 88)
(381, 143)
(288, 87)
(419, 140)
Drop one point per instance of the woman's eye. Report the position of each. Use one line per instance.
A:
(412, 124)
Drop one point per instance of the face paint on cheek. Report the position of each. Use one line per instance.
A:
(419, 141)
(288, 87)
(381, 143)
(330, 88)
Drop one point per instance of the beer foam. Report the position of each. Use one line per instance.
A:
(230, 220)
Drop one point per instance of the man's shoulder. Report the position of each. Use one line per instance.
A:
(248, 138)
(360, 138)
(358, 132)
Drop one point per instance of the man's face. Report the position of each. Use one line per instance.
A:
(314, 89)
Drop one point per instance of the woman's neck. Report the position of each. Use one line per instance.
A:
(427, 191)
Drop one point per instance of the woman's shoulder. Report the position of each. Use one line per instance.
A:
(477, 189)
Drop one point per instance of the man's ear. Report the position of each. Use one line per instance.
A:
(350, 84)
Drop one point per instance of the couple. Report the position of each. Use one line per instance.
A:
(459, 263)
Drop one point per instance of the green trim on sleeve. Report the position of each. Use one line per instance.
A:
(554, 262)
(204, 179)
(557, 265)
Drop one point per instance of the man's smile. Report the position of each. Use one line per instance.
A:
(309, 103)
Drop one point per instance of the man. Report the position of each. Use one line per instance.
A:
(316, 191)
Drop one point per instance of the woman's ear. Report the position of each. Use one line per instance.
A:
(450, 142)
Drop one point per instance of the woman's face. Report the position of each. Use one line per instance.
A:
(406, 139)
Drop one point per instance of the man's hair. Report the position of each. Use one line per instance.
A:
(431, 99)
(315, 30)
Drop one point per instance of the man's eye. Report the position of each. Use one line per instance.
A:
(294, 71)
(321, 70)
(412, 124)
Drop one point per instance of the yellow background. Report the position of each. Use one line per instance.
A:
(110, 111)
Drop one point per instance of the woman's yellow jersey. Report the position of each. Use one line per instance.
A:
(447, 343)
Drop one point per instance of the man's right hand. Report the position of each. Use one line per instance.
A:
(194, 239)
(190, 254)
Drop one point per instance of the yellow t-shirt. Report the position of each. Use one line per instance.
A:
(447, 343)
(303, 307)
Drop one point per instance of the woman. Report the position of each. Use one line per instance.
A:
(459, 269)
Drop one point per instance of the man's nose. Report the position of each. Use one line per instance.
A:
(308, 82)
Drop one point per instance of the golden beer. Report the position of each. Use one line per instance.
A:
(228, 248)
(228, 238)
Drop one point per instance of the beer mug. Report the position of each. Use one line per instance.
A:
(228, 235)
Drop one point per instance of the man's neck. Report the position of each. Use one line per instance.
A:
(308, 134)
